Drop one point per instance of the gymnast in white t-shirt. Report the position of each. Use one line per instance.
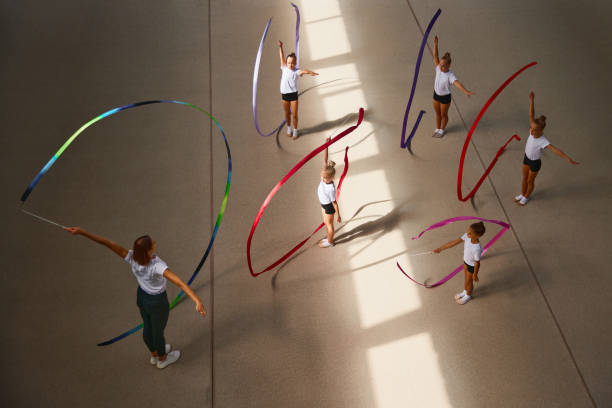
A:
(536, 143)
(152, 273)
(442, 89)
(327, 197)
(289, 88)
(472, 251)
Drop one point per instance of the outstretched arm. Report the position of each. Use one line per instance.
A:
(281, 53)
(325, 157)
(449, 244)
(435, 52)
(307, 71)
(531, 108)
(560, 153)
(460, 86)
(172, 277)
(116, 248)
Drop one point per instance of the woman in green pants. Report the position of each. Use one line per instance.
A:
(152, 274)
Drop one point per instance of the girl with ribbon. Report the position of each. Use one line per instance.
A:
(327, 198)
(532, 162)
(289, 88)
(151, 273)
(472, 252)
(442, 93)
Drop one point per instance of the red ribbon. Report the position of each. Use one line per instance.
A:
(287, 177)
(469, 136)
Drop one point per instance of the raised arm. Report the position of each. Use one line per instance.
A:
(325, 157)
(460, 86)
(531, 108)
(306, 71)
(281, 53)
(116, 248)
(560, 153)
(449, 244)
(172, 277)
(435, 52)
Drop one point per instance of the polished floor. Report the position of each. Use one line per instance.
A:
(339, 327)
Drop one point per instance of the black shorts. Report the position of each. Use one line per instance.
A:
(444, 99)
(290, 96)
(329, 208)
(534, 165)
(470, 268)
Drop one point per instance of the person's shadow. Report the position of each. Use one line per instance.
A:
(379, 226)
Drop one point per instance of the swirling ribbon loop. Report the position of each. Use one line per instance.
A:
(258, 61)
(405, 143)
(469, 136)
(221, 210)
(505, 227)
(280, 184)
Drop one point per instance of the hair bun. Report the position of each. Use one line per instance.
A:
(543, 118)
(331, 163)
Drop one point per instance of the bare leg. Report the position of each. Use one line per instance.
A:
(525, 178)
(530, 183)
(328, 219)
(286, 108)
(444, 114)
(468, 282)
(294, 113)
(436, 106)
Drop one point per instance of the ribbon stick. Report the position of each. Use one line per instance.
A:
(505, 227)
(221, 210)
(258, 61)
(469, 136)
(280, 184)
(43, 219)
(406, 143)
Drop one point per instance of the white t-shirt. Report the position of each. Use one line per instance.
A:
(444, 80)
(471, 252)
(327, 192)
(150, 277)
(289, 80)
(535, 146)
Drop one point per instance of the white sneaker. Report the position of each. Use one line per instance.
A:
(289, 130)
(324, 243)
(171, 357)
(460, 295)
(154, 359)
(461, 301)
(295, 133)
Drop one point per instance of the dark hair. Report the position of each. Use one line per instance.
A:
(142, 246)
(541, 122)
(292, 55)
(478, 228)
(447, 57)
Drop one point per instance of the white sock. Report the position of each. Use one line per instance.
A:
(464, 293)
(519, 197)
(295, 132)
(438, 130)
(289, 130)
(466, 298)
(524, 200)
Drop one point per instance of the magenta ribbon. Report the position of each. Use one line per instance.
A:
(256, 70)
(505, 227)
(406, 143)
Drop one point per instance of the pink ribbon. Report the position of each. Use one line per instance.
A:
(505, 227)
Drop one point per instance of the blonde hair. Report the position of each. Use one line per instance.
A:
(329, 170)
(446, 57)
(541, 122)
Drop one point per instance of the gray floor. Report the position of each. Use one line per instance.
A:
(335, 328)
